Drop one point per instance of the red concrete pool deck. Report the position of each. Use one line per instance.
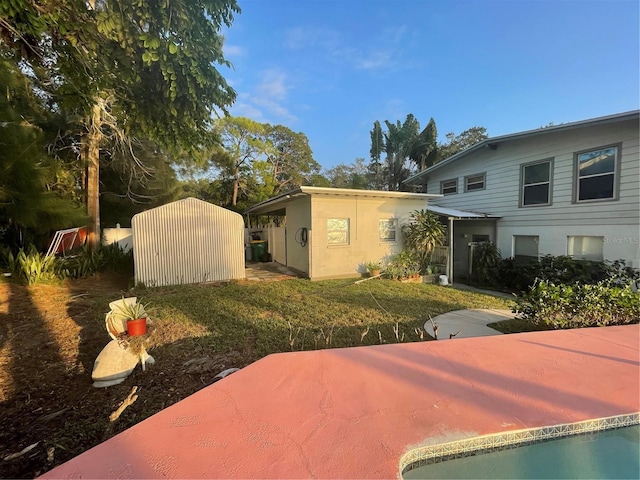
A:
(353, 412)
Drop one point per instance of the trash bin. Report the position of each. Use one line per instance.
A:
(258, 248)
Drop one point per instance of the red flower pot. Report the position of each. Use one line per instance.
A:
(137, 327)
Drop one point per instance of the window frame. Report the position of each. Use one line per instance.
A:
(395, 229)
(521, 203)
(484, 182)
(348, 230)
(573, 255)
(442, 187)
(616, 174)
(520, 259)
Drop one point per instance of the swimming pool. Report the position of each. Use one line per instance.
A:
(602, 448)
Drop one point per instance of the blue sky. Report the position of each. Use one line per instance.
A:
(330, 68)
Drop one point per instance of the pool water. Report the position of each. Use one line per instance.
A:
(604, 455)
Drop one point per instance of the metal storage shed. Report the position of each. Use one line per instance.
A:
(188, 241)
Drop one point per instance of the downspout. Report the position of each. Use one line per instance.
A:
(450, 262)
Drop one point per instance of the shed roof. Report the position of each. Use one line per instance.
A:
(493, 142)
(276, 205)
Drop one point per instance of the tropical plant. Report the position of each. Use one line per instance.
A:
(486, 258)
(424, 232)
(35, 267)
(402, 143)
(130, 310)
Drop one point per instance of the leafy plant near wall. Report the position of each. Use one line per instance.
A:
(422, 234)
(403, 265)
(579, 305)
(486, 258)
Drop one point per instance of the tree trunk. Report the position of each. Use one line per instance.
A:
(236, 185)
(91, 152)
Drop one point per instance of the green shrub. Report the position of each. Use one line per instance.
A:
(89, 262)
(579, 305)
(404, 264)
(517, 276)
(486, 258)
(31, 266)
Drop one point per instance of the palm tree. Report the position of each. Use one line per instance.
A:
(424, 232)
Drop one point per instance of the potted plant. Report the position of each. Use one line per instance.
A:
(135, 315)
(374, 268)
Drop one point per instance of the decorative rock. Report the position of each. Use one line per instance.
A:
(113, 365)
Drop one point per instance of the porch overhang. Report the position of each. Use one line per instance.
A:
(461, 214)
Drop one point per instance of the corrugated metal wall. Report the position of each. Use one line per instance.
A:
(188, 241)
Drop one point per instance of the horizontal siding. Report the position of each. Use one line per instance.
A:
(502, 167)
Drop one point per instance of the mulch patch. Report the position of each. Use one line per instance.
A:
(50, 336)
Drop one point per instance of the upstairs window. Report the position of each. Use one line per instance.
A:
(449, 187)
(597, 174)
(338, 231)
(474, 182)
(536, 184)
(388, 229)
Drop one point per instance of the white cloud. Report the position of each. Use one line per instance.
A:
(267, 101)
(337, 47)
(233, 51)
(273, 84)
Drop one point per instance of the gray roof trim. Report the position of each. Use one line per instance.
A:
(491, 142)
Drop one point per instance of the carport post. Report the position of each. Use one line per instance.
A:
(450, 262)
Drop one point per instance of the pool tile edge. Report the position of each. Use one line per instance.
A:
(429, 454)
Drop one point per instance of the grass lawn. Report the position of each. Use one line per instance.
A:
(269, 317)
(50, 335)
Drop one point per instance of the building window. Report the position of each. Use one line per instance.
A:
(525, 248)
(338, 231)
(388, 228)
(449, 187)
(474, 182)
(535, 179)
(585, 248)
(597, 174)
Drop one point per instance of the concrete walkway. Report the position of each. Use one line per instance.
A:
(268, 272)
(467, 323)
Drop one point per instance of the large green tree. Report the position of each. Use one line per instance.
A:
(36, 194)
(457, 143)
(243, 142)
(291, 159)
(126, 69)
(355, 175)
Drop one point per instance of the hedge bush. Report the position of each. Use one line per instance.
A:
(579, 305)
(516, 276)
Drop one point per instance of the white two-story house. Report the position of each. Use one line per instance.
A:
(571, 189)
